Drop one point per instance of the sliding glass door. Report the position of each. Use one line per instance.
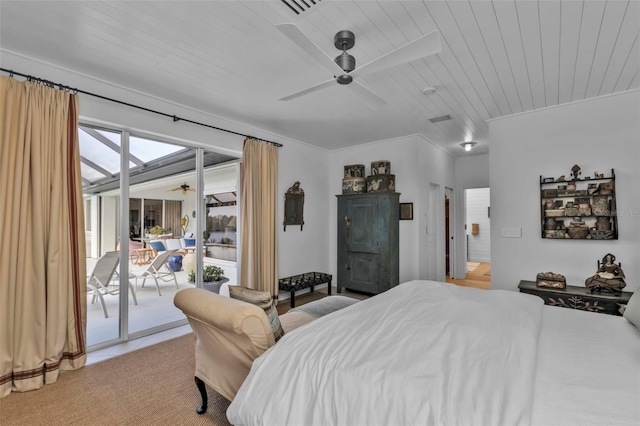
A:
(100, 157)
(142, 198)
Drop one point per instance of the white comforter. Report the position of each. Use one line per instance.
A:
(421, 353)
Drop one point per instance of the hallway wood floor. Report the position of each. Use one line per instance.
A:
(478, 276)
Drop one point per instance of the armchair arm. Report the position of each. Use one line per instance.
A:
(227, 314)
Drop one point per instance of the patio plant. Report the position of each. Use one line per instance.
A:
(210, 273)
(157, 230)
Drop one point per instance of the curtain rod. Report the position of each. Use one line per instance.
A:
(173, 117)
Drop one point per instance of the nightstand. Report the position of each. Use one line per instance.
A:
(579, 298)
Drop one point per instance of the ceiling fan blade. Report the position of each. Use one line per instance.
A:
(311, 89)
(296, 35)
(373, 100)
(175, 189)
(424, 46)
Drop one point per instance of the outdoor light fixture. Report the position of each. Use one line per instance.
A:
(468, 145)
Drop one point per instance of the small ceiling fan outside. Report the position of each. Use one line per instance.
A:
(184, 188)
(344, 67)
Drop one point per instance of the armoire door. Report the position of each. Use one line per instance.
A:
(361, 219)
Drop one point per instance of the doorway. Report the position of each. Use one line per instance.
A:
(478, 239)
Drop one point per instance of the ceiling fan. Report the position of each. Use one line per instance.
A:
(344, 67)
(184, 188)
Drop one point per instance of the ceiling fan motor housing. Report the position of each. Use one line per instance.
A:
(344, 40)
(346, 62)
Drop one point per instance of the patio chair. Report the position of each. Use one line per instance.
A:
(158, 270)
(99, 281)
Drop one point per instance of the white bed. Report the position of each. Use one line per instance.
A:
(433, 353)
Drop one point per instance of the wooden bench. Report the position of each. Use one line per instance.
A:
(302, 281)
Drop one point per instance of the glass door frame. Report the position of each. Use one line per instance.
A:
(123, 267)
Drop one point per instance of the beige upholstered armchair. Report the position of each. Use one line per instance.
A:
(230, 334)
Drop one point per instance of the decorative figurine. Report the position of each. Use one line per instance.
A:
(575, 171)
(609, 276)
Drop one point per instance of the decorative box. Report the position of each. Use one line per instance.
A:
(601, 235)
(381, 183)
(557, 234)
(600, 205)
(578, 232)
(554, 213)
(354, 170)
(571, 211)
(351, 185)
(381, 167)
(605, 188)
(584, 209)
(549, 193)
(551, 280)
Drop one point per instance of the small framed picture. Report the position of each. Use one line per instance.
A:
(406, 211)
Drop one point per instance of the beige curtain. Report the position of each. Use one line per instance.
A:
(259, 253)
(172, 217)
(42, 251)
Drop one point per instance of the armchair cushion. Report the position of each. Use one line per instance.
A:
(157, 245)
(263, 300)
(173, 244)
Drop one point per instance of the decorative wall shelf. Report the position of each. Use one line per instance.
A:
(579, 209)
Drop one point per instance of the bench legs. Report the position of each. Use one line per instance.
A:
(293, 294)
(203, 394)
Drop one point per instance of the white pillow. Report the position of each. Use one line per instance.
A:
(632, 311)
(173, 244)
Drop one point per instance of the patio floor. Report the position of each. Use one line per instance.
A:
(151, 311)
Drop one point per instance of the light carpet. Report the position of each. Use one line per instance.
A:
(150, 386)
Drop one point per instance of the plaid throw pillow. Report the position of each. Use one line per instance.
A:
(263, 300)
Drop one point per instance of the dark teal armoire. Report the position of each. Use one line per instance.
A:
(368, 242)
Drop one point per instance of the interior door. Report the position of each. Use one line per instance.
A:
(446, 234)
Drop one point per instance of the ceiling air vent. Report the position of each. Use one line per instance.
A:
(299, 6)
(441, 118)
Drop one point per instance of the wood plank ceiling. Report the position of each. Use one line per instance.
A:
(227, 58)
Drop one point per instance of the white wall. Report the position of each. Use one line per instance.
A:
(306, 249)
(415, 162)
(477, 204)
(472, 171)
(598, 135)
